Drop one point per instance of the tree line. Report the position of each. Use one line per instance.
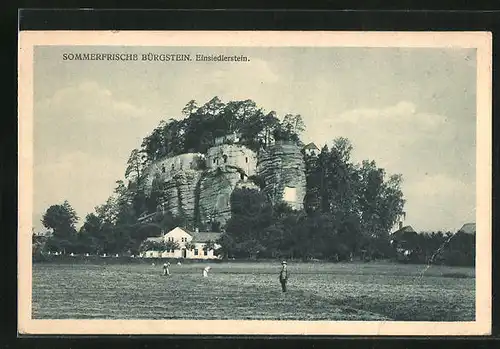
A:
(348, 212)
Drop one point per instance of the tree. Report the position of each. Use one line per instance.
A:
(151, 245)
(209, 245)
(293, 124)
(91, 234)
(126, 212)
(190, 108)
(363, 205)
(171, 245)
(190, 246)
(61, 219)
(135, 167)
(228, 245)
(251, 215)
(108, 212)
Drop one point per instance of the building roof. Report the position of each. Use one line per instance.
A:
(155, 239)
(205, 236)
(311, 146)
(468, 228)
(405, 229)
(201, 236)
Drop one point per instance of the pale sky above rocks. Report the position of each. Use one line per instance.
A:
(412, 110)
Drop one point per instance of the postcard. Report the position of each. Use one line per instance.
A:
(246, 183)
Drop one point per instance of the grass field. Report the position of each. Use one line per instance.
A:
(316, 291)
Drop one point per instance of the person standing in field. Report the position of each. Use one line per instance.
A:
(166, 270)
(205, 271)
(283, 276)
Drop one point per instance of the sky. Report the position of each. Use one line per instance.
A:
(412, 110)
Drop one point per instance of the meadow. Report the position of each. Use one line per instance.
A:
(240, 291)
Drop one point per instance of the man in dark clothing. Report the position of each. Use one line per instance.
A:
(283, 276)
(166, 270)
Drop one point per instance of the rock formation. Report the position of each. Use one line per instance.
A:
(282, 168)
(201, 193)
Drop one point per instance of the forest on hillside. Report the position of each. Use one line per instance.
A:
(349, 208)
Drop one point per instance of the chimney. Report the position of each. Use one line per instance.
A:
(196, 230)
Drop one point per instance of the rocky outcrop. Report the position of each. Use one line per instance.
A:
(234, 155)
(203, 195)
(282, 168)
(178, 193)
(215, 193)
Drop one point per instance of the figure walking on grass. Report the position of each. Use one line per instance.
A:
(205, 271)
(166, 270)
(283, 276)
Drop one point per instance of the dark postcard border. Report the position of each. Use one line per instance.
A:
(230, 19)
(227, 20)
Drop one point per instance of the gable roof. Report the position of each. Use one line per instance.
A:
(311, 146)
(200, 236)
(468, 228)
(206, 236)
(180, 228)
(405, 229)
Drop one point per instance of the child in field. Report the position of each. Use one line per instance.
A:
(205, 271)
(283, 276)
(166, 270)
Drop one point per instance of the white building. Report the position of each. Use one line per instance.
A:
(192, 245)
(311, 149)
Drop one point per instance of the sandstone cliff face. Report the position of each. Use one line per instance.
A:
(178, 194)
(283, 169)
(204, 195)
(214, 194)
(234, 155)
(168, 168)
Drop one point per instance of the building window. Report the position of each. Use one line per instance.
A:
(181, 165)
(214, 161)
(163, 169)
(225, 158)
(246, 159)
(195, 251)
(205, 252)
(242, 176)
(173, 167)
